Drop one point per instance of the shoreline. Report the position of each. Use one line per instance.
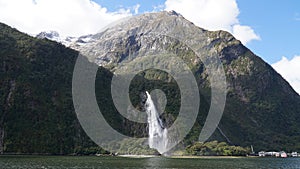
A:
(126, 156)
(138, 156)
(182, 157)
(208, 157)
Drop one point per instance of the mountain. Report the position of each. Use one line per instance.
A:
(54, 36)
(36, 86)
(51, 35)
(67, 41)
(262, 109)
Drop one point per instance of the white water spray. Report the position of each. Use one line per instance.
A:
(158, 134)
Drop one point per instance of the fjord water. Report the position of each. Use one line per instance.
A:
(85, 162)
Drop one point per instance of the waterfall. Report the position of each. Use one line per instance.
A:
(158, 134)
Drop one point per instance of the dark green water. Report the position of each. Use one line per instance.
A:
(55, 162)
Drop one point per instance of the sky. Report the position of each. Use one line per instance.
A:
(270, 28)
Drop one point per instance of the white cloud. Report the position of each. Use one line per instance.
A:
(214, 15)
(136, 8)
(244, 33)
(290, 70)
(79, 17)
(68, 17)
(158, 8)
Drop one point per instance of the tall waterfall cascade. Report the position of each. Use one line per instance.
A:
(158, 134)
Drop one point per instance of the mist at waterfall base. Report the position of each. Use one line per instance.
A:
(158, 134)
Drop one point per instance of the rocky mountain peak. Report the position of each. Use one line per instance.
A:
(55, 36)
(49, 35)
(144, 33)
(172, 12)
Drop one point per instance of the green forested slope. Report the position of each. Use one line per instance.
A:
(37, 114)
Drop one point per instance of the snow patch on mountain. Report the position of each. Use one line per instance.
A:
(67, 41)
